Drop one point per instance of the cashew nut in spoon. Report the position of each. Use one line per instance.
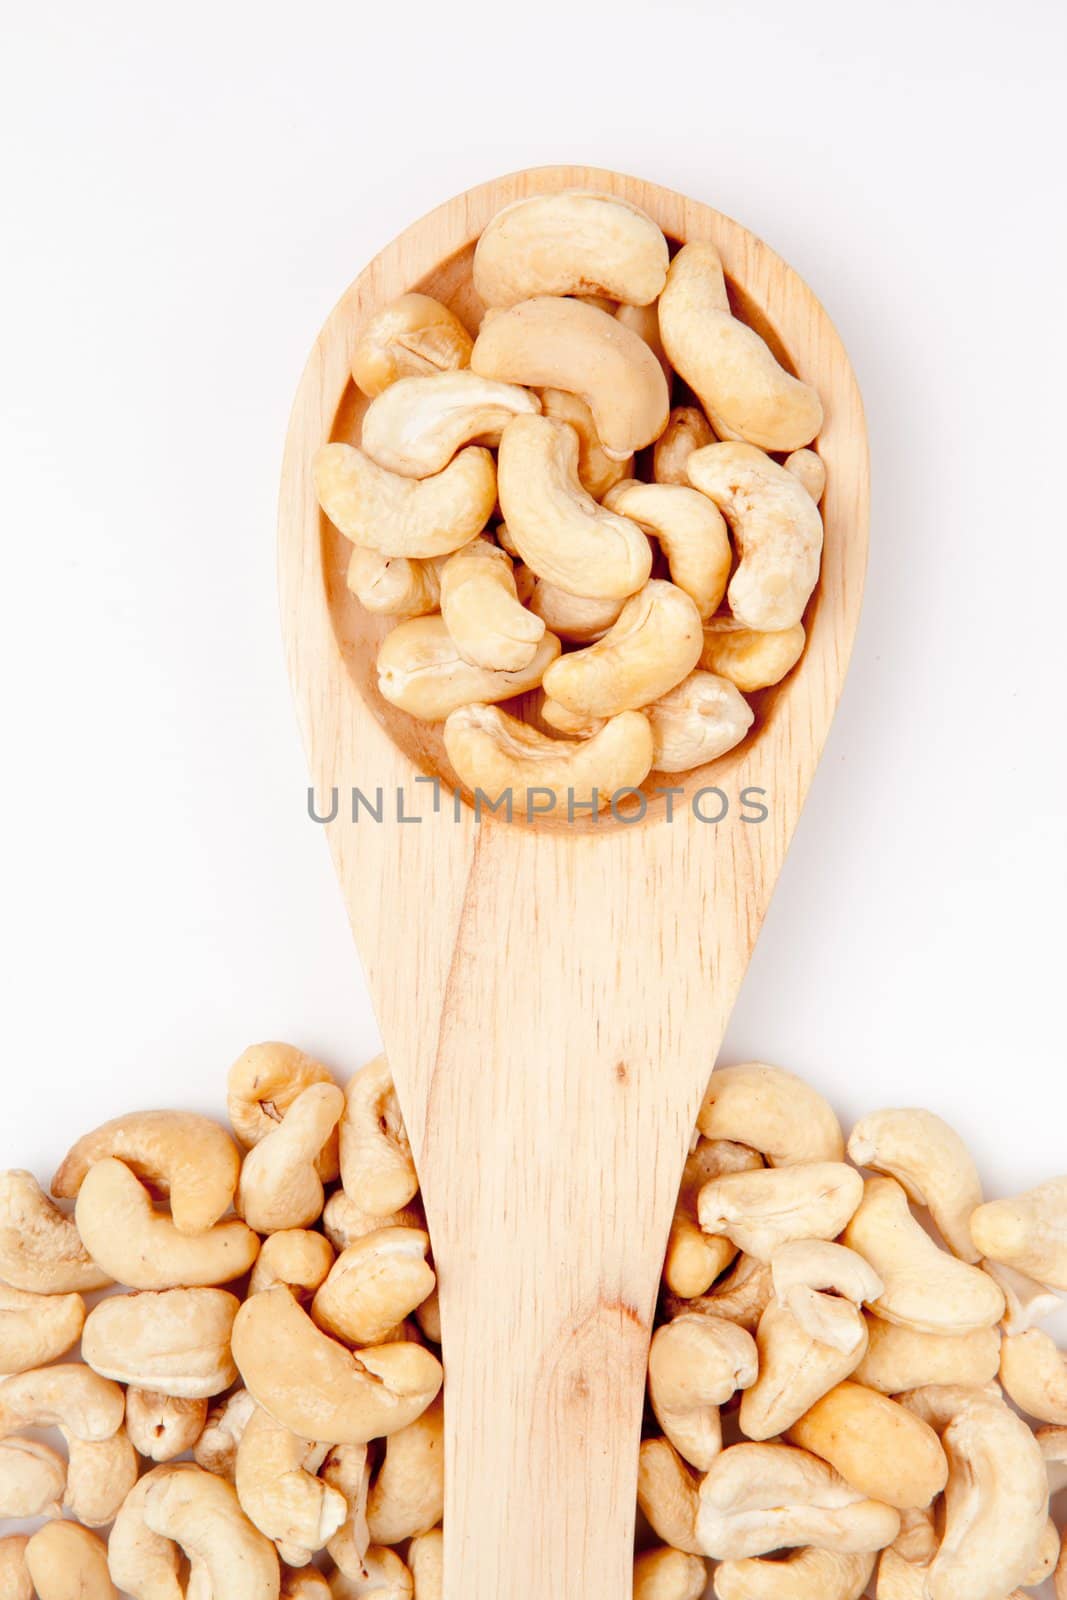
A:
(1033, 1371)
(1028, 1232)
(418, 424)
(176, 1341)
(373, 1285)
(666, 1574)
(37, 1328)
(804, 1574)
(381, 1576)
(695, 1365)
(33, 1479)
(900, 1358)
(878, 1446)
(654, 644)
(573, 617)
(749, 659)
(298, 1258)
(162, 1426)
(1028, 1302)
(263, 1083)
(482, 610)
(930, 1162)
(576, 242)
(796, 1368)
(407, 1496)
(498, 756)
(393, 586)
(400, 516)
(66, 1562)
(696, 722)
(694, 1258)
(216, 1448)
(202, 1515)
(687, 430)
(377, 1167)
(41, 1250)
(597, 472)
(421, 670)
(760, 1211)
(549, 343)
(668, 1495)
(411, 336)
(691, 532)
(772, 1111)
(141, 1247)
(276, 1484)
(810, 468)
(280, 1186)
(729, 367)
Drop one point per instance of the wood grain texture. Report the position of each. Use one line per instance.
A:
(552, 999)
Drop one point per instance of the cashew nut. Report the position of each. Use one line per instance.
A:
(668, 1495)
(15, 1580)
(548, 343)
(32, 1479)
(597, 472)
(804, 1574)
(796, 1368)
(393, 586)
(415, 334)
(263, 1083)
(280, 1186)
(421, 670)
(666, 1574)
(295, 1257)
(691, 532)
(1028, 1302)
(139, 1246)
(817, 1265)
(377, 1169)
(776, 527)
(925, 1287)
(772, 1111)
(810, 469)
(727, 365)
(1034, 1373)
(426, 1559)
(373, 1285)
(1052, 1442)
(697, 722)
(418, 424)
(382, 1576)
(41, 1250)
(760, 1211)
(400, 516)
(644, 321)
(201, 1513)
(742, 1296)
(408, 1495)
(695, 1259)
(36, 1328)
(182, 1155)
(762, 1497)
(80, 1403)
(344, 1221)
(347, 1469)
(216, 1448)
(576, 242)
(304, 1583)
(877, 1446)
(66, 1562)
(482, 611)
(900, 1358)
(750, 660)
(176, 1341)
(695, 1365)
(572, 617)
(162, 1426)
(1028, 1232)
(1047, 1557)
(497, 755)
(901, 1579)
(654, 644)
(100, 1474)
(687, 430)
(930, 1162)
(917, 1540)
(317, 1388)
(278, 1491)
(559, 530)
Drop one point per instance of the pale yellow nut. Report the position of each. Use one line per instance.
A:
(162, 1426)
(576, 242)
(697, 722)
(37, 1328)
(304, 1583)
(100, 1474)
(695, 1365)
(279, 1492)
(377, 1168)
(563, 720)
(344, 1221)
(80, 1403)
(426, 1559)
(418, 425)
(297, 1258)
(1033, 1372)
(506, 761)
(804, 1574)
(691, 531)
(774, 1112)
(877, 1446)
(760, 1211)
(925, 1287)
(806, 1265)
(141, 1247)
(667, 1493)
(728, 366)
(373, 1285)
(930, 1162)
(1028, 1302)
(400, 516)
(559, 530)
(597, 472)
(573, 617)
(750, 660)
(482, 612)
(32, 1479)
(1047, 1557)
(795, 1368)
(347, 1469)
(319, 1389)
(393, 586)
(762, 1497)
(202, 1515)
(216, 1448)
(548, 343)
(742, 1295)
(428, 1317)
(421, 670)
(810, 469)
(15, 1580)
(644, 321)
(66, 1562)
(694, 1258)
(414, 334)
(666, 1574)
(263, 1083)
(142, 1563)
(280, 1186)
(1028, 1232)
(653, 645)
(407, 1496)
(186, 1157)
(776, 529)
(41, 1250)
(687, 430)
(176, 1341)
(382, 1576)
(900, 1358)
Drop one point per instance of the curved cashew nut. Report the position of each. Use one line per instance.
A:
(298, 1258)
(695, 1365)
(772, 1111)
(666, 1574)
(393, 586)
(878, 1446)
(742, 1296)
(750, 660)
(278, 1491)
(547, 343)
(691, 532)
(776, 527)
(418, 424)
(498, 756)
(398, 516)
(77, 1401)
(317, 1388)
(810, 469)
(930, 1162)
(667, 1493)
(558, 529)
(762, 1497)
(421, 670)
(280, 1186)
(695, 1259)
(41, 1250)
(1028, 1302)
(697, 722)
(597, 472)
(377, 1169)
(36, 1328)
(804, 1574)
(1028, 1232)
(202, 1515)
(188, 1157)
(66, 1562)
(1034, 1373)
(482, 611)
(32, 1479)
(142, 1563)
(373, 1286)
(162, 1426)
(263, 1083)
(100, 1474)
(925, 1287)
(382, 1575)
(900, 1358)
(216, 1448)
(728, 366)
(576, 242)
(412, 335)
(176, 1341)
(796, 1368)
(654, 644)
(15, 1580)
(760, 1211)
(407, 1497)
(347, 1469)
(573, 617)
(816, 1264)
(426, 1559)
(687, 430)
(141, 1247)
(344, 1221)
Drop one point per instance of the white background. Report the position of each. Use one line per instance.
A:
(187, 191)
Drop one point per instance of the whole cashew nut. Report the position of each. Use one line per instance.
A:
(37, 1328)
(900, 1358)
(162, 1426)
(655, 643)
(418, 424)
(772, 1111)
(33, 1478)
(694, 1258)
(668, 1495)
(666, 1574)
(760, 1211)
(804, 1574)
(1028, 1232)
(377, 1169)
(597, 472)
(41, 1250)
(573, 617)
(691, 532)
(280, 1186)
(816, 1264)
(176, 1341)
(412, 335)
(202, 1515)
(576, 242)
(298, 1258)
(879, 1447)
(400, 516)
(796, 1368)
(66, 1562)
(687, 430)
(278, 1491)
(498, 756)
(100, 1474)
(696, 722)
(750, 660)
(1034, 1374)
(77, 1401)
(695, 1365)
(407, 1497)
(930, 1162)
(393, 586)
(421, 670)
(373, 1286)
(263, 1083)
(482, 611)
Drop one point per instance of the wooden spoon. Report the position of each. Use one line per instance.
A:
(552, 998)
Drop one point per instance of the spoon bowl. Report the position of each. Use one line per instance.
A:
(552, 997)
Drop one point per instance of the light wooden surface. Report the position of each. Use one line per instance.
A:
(552, 1000)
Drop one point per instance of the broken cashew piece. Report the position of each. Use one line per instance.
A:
(930, 1162)
(274, 1476)
(186, 1157)
(482, 611)
(263, 1083)
(750, 660)
(41, 1250)
(298, 1258)
(691, 532)
(695, 1365)
(421, 670)
(175, 1341)
(687, 430)
(400, 516)
(761, 1211)
(374, 1285)
(694, 1258)
(668, 1495)
(1028, 1232)
(418, 424)
(804, 1574)
(1034, 1374)
(413, 335)
(576, 242)
(407, 1497)
(37, 1328)
(66, 1562)
(900, 1358)
(162, 1426)
(548, 343)
(655, 643)
(729, 367)
(666, 1574)
(696, 722)
(377, 1168)
(597, 472)
(280, 1186)
(498, 756)
(202, 1515)
(772, 1111)
(877, 1446)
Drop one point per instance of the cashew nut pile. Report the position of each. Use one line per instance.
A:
(538, 517)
